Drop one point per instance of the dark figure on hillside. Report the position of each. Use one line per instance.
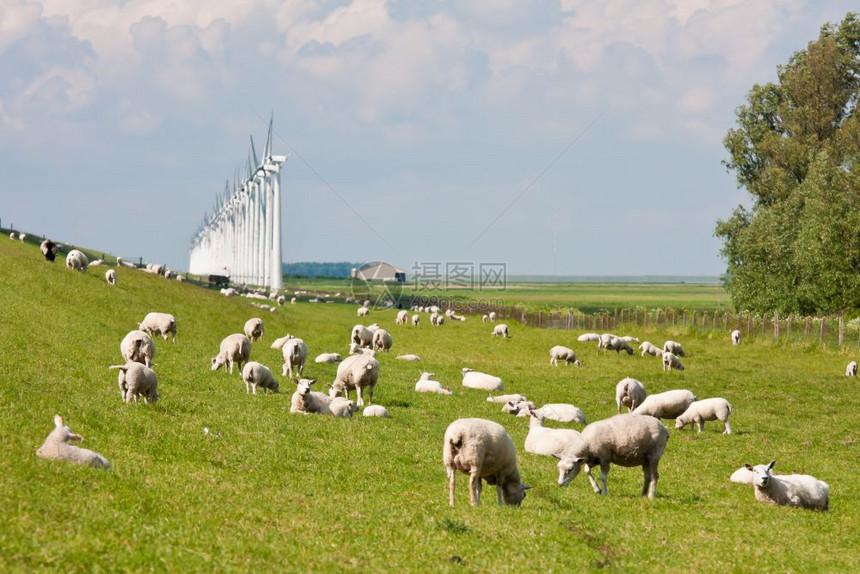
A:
(49, 249)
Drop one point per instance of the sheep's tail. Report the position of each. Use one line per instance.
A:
(123, 368)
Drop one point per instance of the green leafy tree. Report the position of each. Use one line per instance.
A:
(796, 150)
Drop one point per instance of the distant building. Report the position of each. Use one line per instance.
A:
(379, 271)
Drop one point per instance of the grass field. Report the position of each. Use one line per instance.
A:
(281, 492)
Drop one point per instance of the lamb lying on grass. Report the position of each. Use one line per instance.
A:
(409, 357)
(425, 384)
(561, 412)
(706, 410)
(548, 441)
(506, 398)
(483, 381)
(305, 401)
(57, 447)
(376, 411)
(328, 358)
(800, 490)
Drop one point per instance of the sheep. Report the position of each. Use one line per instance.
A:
(626, 440)
(457, 317)
(328, 358)
(180, 278)
(137, 347)
(160, 324)
(500, 330)
(256, 375)
(800, 490)
(110, 277)
(485, 318)
(292, 300)
(295, 353)
(49, 249)
(706, 410)
(229, 292)
(671, 361)
(22, 237)
(382, 340)
(136, 380)
(402, 318)
(362, 336)
(492, 316)
(409, 357)
(674, 347)
(356, 350)
(363, 311)
(648, 348)
(341, 407)
(588, 337)
(666, 405)
(851, 369)
(630, 393)
(281, 300)
(235, 348)
(254, 329)
(743, 475)
(565, 354)
(416, 319)
(357, 372)
(366, 303)
(629, 339)
(425, 384)
(77, 260)
(437, 320)
(506, 398)
(12, 236)
(449, 312)
(736, 337)
(609, 342)
(57, 447)
(483, 450)
(305, 401)
(483, 381)
(548, 441)
(515, 407)
(561, 412)
(376, 411)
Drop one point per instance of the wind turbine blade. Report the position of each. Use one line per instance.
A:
(254, 154)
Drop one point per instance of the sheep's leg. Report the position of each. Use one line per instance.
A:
(452, 479)
(728, 427)
(591, 479)
(646, 475)
(701, 424)
(655, 474)
(604, 476)
(359, 400)
(474, 488)
(254, 387)
(229, 362)
(284, 370)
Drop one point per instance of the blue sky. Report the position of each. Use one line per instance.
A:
(120, 121)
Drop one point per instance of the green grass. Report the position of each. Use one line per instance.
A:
(281, 492)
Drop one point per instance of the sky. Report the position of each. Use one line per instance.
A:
(569, 137)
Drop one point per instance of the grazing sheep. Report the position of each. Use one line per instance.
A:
(409, 357)
(492, 316)
(77, 260)
(357, 372)
(376, 411)
(851, 369)
(666, 405)
(588, 337)
(305, 401)
(382, 340)
(648, 348)
(402, 318)
(609, 342)
(281, 300)
(362, 336)
(674, 347)
(12, 236)
(110, 277)
(49, 249)
(136, 380)
(561, 412)
(292, 300)
(254, 329)
(485, 318)
(483, 381)
(22, 237)
(363, 311)
(57, 447)
(137, 347)
(295, 353)
(425, 384)
(630, 393)
(559, 353)
(437, 320)
(800, 490)
(483, 450)
(500, 330)
(235, 348)
(706, 410)
(625, 440)
(671, 361)
(548, 441)
(159, 324)
(506, 398)
(736, 337)
(328, 358)
(415, 320)
(256, 375)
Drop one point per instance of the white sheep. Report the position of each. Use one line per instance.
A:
(409, 357)
(559, 353)
(437, 320)
(648, 348)
(483, 450)
(425, 384)
(57, 447)
(110, 277)
(77, 260)
(49, 249)
(357, 372)
(630, 393)
(254, 329)
(256, 375)
(136, 380)
(159, 324)
(137, 347)
(292, 300)
(328, 358)
(295, 353)
(666, 405)
(485, 318)
(363, 311)
(625, 440)
(22, 237)
(743, 475)
(305, 401)
(281, 300)
(671, 361)
(416, 319)
(382, 340)
(12, 236)
(376, 411)
(402, 318)
(800, 490)
(629, 339)
(516, 407)
(483, 381)
(506, 398)
(492, 316)
(706, 410)
(736, 337)
(341, 407)
(362, 336)
(851, 369)
(674, 347)
(500, 330)
(548, 441)
(609, 342)
(235, 348)
(561, 412)
(356, 350)
(588, 337)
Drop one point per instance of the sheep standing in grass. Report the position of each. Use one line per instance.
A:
(666, 405)
(254, 329)
(485, 318)
(328, 358)
(800, 490)
(625, 440)
(706, 410)
(363, 311)
(235, 348)
(137, 347)
(77, 260)
(357, 372)
(256, 375)
(561, 412)
(736, 337)
(483, 381)
(136, 380)
(425, 384)
(630, 393)
(110, 277)
(851, 369)
(559, 353)
(492, 316)
(159, 324)
(585, 337)
(483, 450)
(500, 330)
(648, 348)
(674, 347)
(362, 336)
(49, 249)
(416, 319)
(382, 340)
(402, 318)
(57, 447)
(295, 353)
(548, 441)
(671, 361)
(609, 342)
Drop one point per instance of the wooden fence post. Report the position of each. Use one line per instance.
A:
(788, 326)
(823, 328)
(841, 329)
(806, 327)
(776, 325)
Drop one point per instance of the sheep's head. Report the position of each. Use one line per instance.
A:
(568, 468)
(678, 424)
(217, 362)
(761, 473)
(63, 432)
(466, 370)
(425, 376)
(336, 389)
(514, 493)
(303, 386)
(627, 348)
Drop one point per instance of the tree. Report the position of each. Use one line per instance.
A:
(796, 150)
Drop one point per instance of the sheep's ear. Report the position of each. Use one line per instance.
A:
(556, 456)
(58, 420)
(748, 466)
(770, 466)
(312, 381)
